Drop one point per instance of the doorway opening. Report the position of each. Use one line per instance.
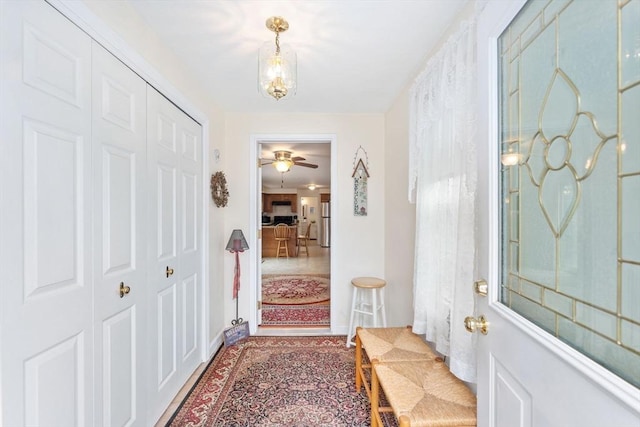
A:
(294, 259)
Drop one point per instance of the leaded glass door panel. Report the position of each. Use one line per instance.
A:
(560, 245)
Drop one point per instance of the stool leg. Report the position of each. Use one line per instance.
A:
(374, 307)
(352, 317)
(383, 307)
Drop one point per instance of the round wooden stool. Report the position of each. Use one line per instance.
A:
(359, 305)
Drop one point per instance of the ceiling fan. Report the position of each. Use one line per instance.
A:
(283, 161)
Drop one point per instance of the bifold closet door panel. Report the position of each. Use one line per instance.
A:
(175, 247)
(119, 174)
(46, 294)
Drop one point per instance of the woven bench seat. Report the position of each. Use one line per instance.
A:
(386, 345)
(421, 394)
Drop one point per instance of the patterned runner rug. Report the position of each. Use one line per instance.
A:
(295, 288)
(277, 381)
(295, 315)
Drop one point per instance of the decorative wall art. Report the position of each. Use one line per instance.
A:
(360, 176)
(219, 190)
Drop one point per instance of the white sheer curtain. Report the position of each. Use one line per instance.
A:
(443, 178)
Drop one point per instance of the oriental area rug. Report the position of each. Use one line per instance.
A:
(298, 300)
(277, 381)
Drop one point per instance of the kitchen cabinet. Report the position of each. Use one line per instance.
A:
(269, 198)
(325, 197)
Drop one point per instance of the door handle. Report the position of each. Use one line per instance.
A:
(472, 324)
(124, 290)
(169, 271)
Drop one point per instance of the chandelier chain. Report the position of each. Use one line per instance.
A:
(277, 42)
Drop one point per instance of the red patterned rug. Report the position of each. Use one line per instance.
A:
(295, 315)
(295, 288)
(277, 381)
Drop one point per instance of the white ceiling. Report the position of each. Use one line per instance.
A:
(354, 56)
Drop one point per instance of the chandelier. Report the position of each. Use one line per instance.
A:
(277, 67)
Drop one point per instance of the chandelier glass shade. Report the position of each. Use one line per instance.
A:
(277, 70)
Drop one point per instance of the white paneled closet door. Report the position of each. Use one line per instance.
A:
(120, 266)
(175, 247)
(46, 293)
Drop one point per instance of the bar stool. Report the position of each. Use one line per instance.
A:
(360, 306)
(281, 235)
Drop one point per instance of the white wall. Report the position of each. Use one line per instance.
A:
(400, 215)
(357, 247)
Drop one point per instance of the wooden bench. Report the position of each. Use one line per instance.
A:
(422, 393)
(386, 345)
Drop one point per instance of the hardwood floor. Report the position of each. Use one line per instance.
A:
(173, 407)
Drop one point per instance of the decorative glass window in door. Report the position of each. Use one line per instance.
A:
(570, 144)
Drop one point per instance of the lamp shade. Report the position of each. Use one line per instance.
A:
(237, 242)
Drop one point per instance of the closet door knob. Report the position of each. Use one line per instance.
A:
(124, 290)
(169, 271)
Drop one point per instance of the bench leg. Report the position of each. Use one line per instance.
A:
(358, 362)
(404, 421)
(375, 395)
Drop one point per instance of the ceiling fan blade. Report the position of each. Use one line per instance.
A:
(306, 165)
(266, 162)
(297, 158)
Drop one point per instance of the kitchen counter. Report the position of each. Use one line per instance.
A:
(269, 244)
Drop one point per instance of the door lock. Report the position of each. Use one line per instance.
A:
(169, 271)
(472, 324)
(124, 290)
(481, 287)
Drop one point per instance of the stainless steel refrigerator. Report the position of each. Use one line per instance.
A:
(325, 218)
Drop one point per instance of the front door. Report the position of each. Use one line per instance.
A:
(558, 208)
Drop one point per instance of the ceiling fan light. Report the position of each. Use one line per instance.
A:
(283, 165)
(311, 187)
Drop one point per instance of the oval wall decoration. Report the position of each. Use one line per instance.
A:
(219, 190)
